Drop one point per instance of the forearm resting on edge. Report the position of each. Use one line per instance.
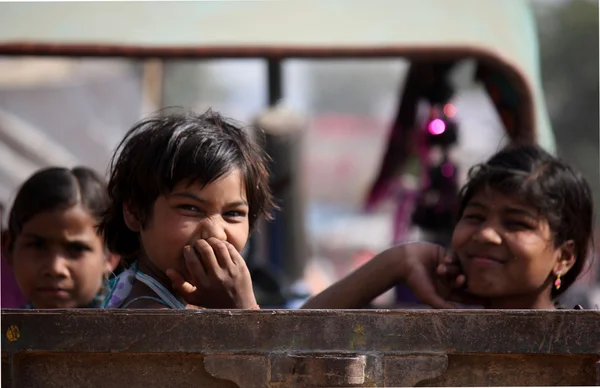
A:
(366, 283)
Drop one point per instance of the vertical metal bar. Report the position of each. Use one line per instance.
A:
(274, 80)
(275, 228)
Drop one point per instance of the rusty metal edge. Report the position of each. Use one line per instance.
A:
(298, 331)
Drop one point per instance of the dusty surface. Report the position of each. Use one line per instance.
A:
(299, 348)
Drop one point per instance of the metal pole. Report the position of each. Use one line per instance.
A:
(286, 244)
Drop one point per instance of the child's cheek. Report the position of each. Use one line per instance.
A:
(87, 276)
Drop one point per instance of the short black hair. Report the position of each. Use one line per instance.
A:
(560, 194)
(56, 188)
(159, 152)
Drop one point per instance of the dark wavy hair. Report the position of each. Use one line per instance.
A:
(159, 152)
(559, 193)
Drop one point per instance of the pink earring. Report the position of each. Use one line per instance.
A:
(557, 282)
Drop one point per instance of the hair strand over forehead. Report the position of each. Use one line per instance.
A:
(559, 193)
(159, 152)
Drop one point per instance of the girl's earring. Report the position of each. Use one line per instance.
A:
(557, 282)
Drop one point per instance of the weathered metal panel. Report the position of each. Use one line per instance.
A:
(299, 348)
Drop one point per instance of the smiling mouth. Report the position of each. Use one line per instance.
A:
(484, 259)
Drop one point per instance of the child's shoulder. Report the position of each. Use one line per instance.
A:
(119, 287)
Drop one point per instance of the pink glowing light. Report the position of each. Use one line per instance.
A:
(449, 110)
(437, 127)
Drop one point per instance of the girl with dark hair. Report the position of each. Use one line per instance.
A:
(185, 192)
(52, 242)
(523, 236)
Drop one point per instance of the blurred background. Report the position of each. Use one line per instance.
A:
(68, 111)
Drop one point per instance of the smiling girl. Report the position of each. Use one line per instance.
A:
(522, 238)
(186, 191)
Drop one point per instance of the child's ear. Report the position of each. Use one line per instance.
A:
(566, 259)
(131, 219)
(112, 262)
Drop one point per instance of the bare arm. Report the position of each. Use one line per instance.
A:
(415, 264)
(363, 285)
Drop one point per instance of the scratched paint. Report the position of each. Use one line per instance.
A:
(358, 338)
(13, 333)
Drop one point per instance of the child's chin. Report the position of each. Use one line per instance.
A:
(52, 305)
(483, 289)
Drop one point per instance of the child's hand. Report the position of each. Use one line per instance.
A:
(450, 272)
(435, 276)
(434, 279)
(219, 277)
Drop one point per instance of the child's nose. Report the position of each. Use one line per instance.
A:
(214, 229)
(488, 234)
(56, 266)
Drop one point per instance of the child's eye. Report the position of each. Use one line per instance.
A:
(473, 217)
(235, 214)
(519, 225)
(189, 208)
(77, 249)
(35, 245)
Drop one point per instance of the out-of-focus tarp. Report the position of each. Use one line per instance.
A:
(64, 113)
(503, 29)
